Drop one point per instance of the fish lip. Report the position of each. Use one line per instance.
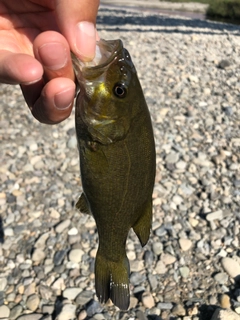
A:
(113, 46)
(116, 48)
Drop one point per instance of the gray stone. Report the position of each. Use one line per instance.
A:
(71, 293)
(31, 316)
(75, 255)
(72, 142)
(157, 248)
(38, 255)
(220, 314)
(147, 300)
(68, 312)
(41, 242)
(136, 265)
(165, 305)
(160, 267)
(178, 310)
(153, 281)
(48, 309)
(216, 215)
(185, 244)
(15, 312)
(45, 292)
(184, 271)
(3, 283)
(62, 225)
(172, 157)
(33, 302)
(137, 278)
(93, 307)
(140, 315)
(8, 232)
(232, 267)
(221, 277)
(167, 258)
(99, 316)
(4, 311)
(84, 297)
(58, 257)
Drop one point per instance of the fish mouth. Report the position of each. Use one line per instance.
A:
(106, 52)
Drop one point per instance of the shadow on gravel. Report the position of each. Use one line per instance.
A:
(207, 311)
(58, 307)
(1, 231)
(118, 17)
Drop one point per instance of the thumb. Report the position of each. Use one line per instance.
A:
(77, 22)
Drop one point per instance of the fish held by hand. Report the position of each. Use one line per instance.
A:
(117, 161)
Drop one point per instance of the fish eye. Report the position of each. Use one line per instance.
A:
(120, 90)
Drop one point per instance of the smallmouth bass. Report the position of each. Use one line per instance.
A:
(117, 162)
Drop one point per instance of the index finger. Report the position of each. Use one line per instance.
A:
(77, 22)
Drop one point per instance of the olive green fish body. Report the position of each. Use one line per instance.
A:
(117, 163)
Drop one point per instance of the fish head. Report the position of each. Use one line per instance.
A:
(110, 92)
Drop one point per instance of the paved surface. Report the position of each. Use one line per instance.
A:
(162, 5)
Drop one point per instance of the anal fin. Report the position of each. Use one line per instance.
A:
(143, 225)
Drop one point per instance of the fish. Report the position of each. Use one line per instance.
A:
(117, 162)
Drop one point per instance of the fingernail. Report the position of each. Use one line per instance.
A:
(64, 99)
(85, 40)
(53, 55)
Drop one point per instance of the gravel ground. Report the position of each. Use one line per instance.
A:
(189, 70)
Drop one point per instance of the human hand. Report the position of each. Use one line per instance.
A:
(35, 42)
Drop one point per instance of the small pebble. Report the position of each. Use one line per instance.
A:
(38, 255)
(224, 301)
(84, 297)
(178, 310)
(15, 312)
(62, 226)
(225, 315)
(167, 258)
(165, 305)
(185, 244)
(221, 277)
(93, 307)
(33, 302)
(3, 284)
(147, 300)
(4, 311)
(157, 248)
(58, 257)
(160, 267)
(67, 312)
(82, 315)
(216, 215)
(32, 316)
(71, 293)
(75, 255)
(232, 267)
(73, 232)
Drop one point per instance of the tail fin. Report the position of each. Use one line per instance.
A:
(112, 281)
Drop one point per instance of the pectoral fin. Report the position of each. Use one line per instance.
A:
(143, 225)
(95, 161)
(82, 204)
